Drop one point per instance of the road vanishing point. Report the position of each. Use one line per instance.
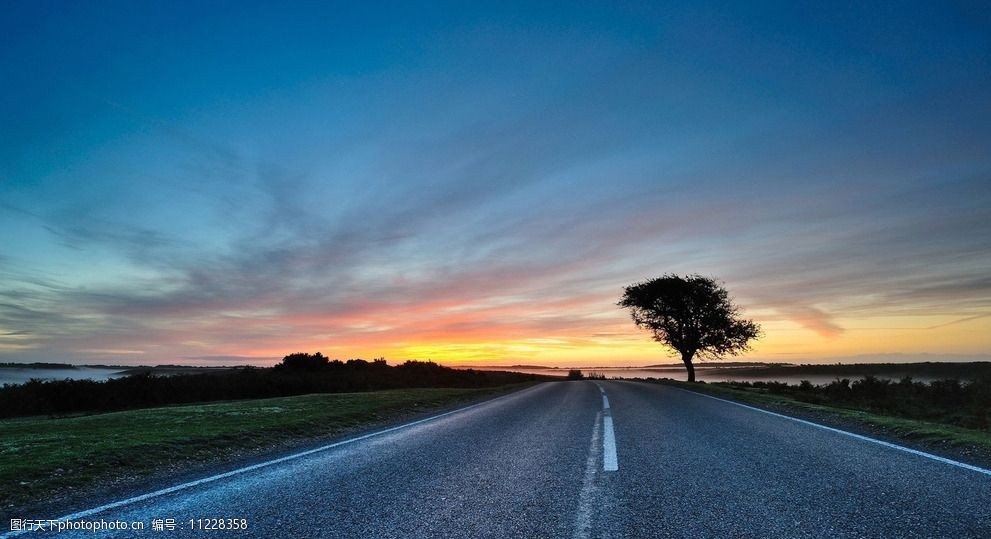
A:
(580, 460)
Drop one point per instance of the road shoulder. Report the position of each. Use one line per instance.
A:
(221, 456)
(964, 445)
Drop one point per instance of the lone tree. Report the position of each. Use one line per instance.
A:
(692, 315)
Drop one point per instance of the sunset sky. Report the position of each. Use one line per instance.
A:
(468, 183)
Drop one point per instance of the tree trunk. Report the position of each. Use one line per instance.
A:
(687, 359)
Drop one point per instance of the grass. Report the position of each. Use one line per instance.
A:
(304, 374)
(41, 458)
(909, 429)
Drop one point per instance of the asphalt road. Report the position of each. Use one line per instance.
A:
(553, 461)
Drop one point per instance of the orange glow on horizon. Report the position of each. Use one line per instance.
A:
(455, 339)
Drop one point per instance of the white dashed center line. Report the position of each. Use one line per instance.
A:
(603, 445)
(610, 462)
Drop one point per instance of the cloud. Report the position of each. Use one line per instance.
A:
(448, 200)
(813, 319)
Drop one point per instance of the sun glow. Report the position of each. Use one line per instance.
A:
(621, 344)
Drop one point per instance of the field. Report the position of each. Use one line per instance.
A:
(45, 458)
(304, 374)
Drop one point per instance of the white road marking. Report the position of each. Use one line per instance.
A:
(609, 461)
(589, 491)
(90, 512)
(604, 445)
(851, 434)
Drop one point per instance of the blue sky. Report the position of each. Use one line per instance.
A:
(218, 182)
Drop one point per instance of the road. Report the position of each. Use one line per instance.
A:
(554, 461)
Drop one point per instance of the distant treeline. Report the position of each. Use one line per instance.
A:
(965, 404)
(37, 366)
(298, 374)
(969, 371)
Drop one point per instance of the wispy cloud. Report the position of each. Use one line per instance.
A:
(492, 199)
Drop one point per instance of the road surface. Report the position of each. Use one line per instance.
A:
(584, 459)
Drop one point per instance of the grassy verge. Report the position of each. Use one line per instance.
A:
(967, 442)
(46, 458)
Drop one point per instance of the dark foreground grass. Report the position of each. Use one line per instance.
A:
(970, 442)
(46, 458)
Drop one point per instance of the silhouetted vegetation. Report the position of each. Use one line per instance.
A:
(577, 374)
(37, 365)
(692, 315)
(304, 361)
(298, 374)
(965, 404)
(930, 369)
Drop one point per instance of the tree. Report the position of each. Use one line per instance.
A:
(693, 315)
(304, 361)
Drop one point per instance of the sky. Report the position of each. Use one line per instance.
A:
(475, 183)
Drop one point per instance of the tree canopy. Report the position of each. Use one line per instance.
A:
(304, 361)
(693, 315)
